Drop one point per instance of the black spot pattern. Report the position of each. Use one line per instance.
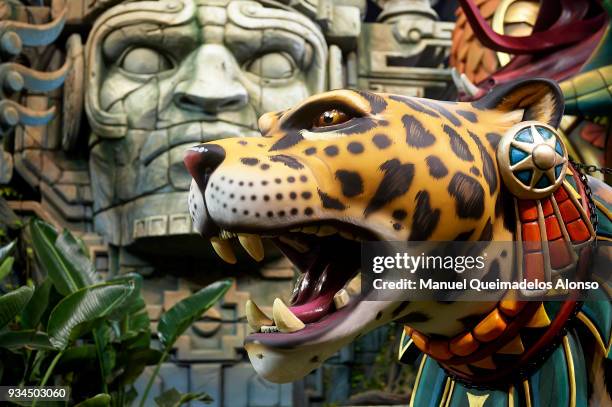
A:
(287, 160)
(488, 167)
(351, 183)
(443, 111)
(402, 306)
(355, 147)
(330, 202)
(504, 207)
(474, 170)
(331, 151)
(458, 145)
(360, 125)
(381, 141)
(396, 182)
(249, 161)
(493, 139)
(310, 151)
(288, 140)
(417, 135)
(494, 272)
(470, 116)
(399, 214)
(437, 169)
(464, 236)
(487, 232)
(425, 218)
(377, 103)
(414, 105)
(468, 194)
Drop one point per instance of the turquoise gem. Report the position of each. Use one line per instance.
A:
(547, 134)
(524, 136)
(558, 148)
(543, 182)
(517, 155)
(558, 169)
(524, 176)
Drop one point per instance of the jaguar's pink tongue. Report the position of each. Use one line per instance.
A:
(314, 310)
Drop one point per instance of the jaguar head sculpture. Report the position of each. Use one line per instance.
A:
(347, 166)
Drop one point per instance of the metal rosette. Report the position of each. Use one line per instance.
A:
(532, 160)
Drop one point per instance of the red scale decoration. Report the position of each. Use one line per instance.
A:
(553, 224)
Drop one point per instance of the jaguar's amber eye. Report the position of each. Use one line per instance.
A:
(330, 118)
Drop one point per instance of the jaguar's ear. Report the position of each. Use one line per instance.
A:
(540, 99)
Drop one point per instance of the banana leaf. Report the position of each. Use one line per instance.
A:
(173, 398)
(6, 250)
(134, 362)
(29, 339)
(76, 314)
(12, 303)
(81, 358)
(6, 266)
(106, 354)
(132, 313)
(63, 258)
(99, 400)
(6, 261)
(177, 319)
(31, 314)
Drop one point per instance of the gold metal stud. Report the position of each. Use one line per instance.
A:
(532, 160)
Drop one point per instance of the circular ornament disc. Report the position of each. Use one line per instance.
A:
(532, 160)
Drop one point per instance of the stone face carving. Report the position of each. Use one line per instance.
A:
(154, 77)
(164, 75)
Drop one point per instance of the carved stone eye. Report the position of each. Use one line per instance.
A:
(145, 61)
(330, 118)
(274, 65)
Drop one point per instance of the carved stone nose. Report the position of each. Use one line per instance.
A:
(202, 160)
(211, 103)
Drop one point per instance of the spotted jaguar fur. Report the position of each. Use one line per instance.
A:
(346, 166)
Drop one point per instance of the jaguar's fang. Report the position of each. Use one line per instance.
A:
(256, 317)
(284, 319)
(253, 245)
(223, 248)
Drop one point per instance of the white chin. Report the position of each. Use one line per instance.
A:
(282, 366)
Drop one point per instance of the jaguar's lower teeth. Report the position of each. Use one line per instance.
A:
(269, 329)
(353, 287)
(341, 299)
(225, 234)
(326, 230)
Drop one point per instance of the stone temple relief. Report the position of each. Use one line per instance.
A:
(164, 75)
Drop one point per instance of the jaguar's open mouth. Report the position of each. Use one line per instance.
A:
(328, 256)
(327, 309)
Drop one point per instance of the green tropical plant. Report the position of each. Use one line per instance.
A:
(177, 319)
(72, 327)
